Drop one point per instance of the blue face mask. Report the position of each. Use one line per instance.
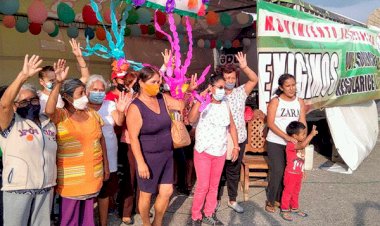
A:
(219, 94)
(49, 85)
(96, 97)
(29, 112)
(230, 85)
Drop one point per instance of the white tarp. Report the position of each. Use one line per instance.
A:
(354, 129)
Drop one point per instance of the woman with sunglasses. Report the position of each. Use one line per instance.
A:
(27, 139)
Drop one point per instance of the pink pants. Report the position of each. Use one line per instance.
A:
(208, 169)
(292, 188)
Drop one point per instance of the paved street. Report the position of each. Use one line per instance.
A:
(329, 199)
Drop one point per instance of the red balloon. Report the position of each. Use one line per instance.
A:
(35, 28)
(89, 16)
(144, 29)
(212, 44)
(9, 21)
(100, 33)
(159, 35)
(236, 43)
(161, 18)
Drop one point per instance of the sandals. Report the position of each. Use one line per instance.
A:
(299, 213)
(269, 207)
(286, 215)
(128, 221)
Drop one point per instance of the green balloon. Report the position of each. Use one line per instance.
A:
(151, 30)
(55, 32)
(225, 19)
(127, 32)
(22, 24)
(219, 44)
(65, 13)
(133, 16)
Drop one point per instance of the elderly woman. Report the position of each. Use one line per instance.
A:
(149, 126)
(29, 152)
(82, 154)
(112, 113)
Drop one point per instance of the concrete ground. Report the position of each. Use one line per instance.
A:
(329, 199)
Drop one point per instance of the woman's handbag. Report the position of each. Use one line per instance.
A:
(180, 135)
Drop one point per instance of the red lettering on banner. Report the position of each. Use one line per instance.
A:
(307, 30)
(327, 30)
(269, 23)
(300, 30)
(293, 28)
(312, 30)
(334, 32)
(286, 25)
(280, 28)
(319, 29)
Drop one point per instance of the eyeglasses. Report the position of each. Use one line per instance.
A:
(32, 101)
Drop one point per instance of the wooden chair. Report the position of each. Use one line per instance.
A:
(255, 168)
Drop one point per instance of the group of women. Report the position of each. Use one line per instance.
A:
(62, 140)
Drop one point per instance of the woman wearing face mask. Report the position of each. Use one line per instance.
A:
(47, 76)
(284, 108)
(112, 114)
(210, 150)
(149, 126)
(29, 146)
(82, 156)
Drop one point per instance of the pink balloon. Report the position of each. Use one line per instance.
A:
(107, 15)
(9, 21)
(37, 12)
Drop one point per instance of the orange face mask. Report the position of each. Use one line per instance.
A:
(152, 89)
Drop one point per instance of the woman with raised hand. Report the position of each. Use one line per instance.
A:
(112, 113)
(82, 156)
(28, 141)
(149, 126)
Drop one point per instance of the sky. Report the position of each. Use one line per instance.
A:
(356, 9)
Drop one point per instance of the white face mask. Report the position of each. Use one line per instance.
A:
(219, 94)
(80, 103)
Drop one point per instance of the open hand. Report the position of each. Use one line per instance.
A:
(75, 46)
(242, 58)
(166, 55)
(61, 70)
(123, 102)
(193, 82)
(31, 66)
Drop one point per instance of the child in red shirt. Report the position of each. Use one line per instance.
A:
(295, 158)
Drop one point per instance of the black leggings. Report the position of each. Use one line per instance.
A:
(277, 163)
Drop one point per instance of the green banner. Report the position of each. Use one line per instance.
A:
(334, 64)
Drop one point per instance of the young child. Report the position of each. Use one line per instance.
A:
(295, 158)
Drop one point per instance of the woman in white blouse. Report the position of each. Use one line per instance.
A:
(210, 150)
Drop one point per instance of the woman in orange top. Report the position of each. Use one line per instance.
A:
(82, 155)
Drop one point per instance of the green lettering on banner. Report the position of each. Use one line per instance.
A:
(334, 64)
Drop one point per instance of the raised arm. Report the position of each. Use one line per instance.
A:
(134, 124)
(85, 73)
(61, 72)
(122, 103)
(30, 68)
(252, 76)
(302, 117)
(166, 55)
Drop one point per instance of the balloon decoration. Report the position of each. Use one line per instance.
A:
(192, 21)
(35, 28)
(144, 16)
(212, 44)
(100, 33)
(212, 18)
(9, 7)
(9, 21)
(89, 33)
(219, 44)
(55, 32)
(48, 26)
(246, 41)
(225, 19)
(227, 44)
(72, 32)
(37, 12)
(201, 43)
(159, 35)
(207, 44)
(135, 30)
(161, 18)
(65, 13)
(22, 24)
(243, 18)
(236, 43)
(133, 16)
(107, 15)
(89, 16)
(144, 29)
(151, 29)
(177, 19)
(127, 31)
